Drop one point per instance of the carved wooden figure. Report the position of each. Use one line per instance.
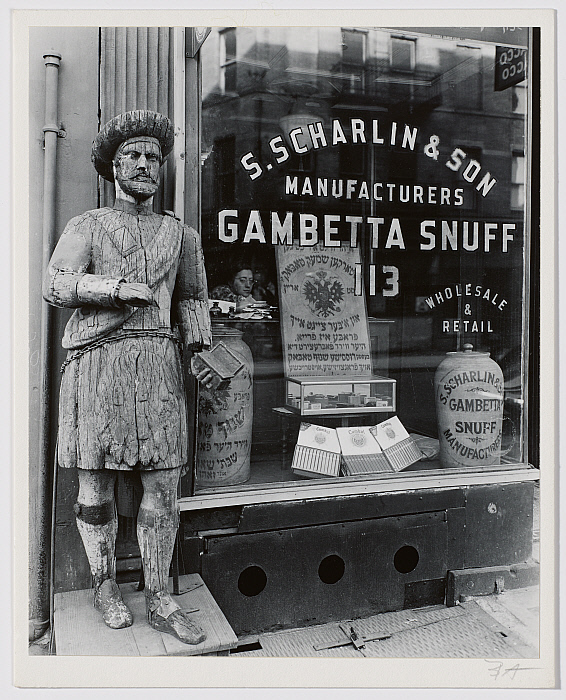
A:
(137, 282)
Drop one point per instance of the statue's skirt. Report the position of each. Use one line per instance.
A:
(122, 406)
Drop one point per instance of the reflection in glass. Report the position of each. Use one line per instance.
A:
(405, 133)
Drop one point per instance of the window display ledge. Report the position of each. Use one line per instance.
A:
(326, 488)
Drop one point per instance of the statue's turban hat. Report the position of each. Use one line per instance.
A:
(126, 126)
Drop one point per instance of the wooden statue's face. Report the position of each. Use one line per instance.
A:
(137, 164)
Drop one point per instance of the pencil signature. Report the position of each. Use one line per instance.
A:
(499, 670)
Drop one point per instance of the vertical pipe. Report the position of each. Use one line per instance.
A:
(50, 131)
(162, 201)
(120, 100)
(172, 57)
(102, 83)
(177, 94)
(162, 75)
(142, 68)
(131, 69)
(40, 513)
(108, 98)
(152, 67)
(192, 138)
(109, 59)
(171, 166)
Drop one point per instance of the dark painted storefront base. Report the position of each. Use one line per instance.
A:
(287, 564)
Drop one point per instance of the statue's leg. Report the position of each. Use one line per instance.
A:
(97, 523)
(158, 521)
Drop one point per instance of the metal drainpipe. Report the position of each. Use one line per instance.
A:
(40, 511)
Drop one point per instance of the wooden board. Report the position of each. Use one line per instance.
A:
(401, 482)
(258, 517)
(80, 630)
(271, 516)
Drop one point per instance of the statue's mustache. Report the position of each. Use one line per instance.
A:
(143, 178)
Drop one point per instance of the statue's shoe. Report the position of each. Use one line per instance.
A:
(108, 599)
(179, 625)
(165, 615)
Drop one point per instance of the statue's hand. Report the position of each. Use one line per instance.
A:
(205, 377)
(135, 294)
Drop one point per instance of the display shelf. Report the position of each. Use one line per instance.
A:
(319, 396)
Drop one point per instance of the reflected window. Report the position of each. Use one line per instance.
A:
(353, 57)
(403, 53)
(228, 60)
(519, 99)
(518, 180)
(466, 79)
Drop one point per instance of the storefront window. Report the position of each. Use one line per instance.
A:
(372, 184)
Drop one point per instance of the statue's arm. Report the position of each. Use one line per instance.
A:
(191, 294)
(67, 282)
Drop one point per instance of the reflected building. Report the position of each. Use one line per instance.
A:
(387, 125)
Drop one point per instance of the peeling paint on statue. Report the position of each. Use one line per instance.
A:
(122, 402)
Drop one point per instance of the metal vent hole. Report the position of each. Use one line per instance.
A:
(252, 581)
(406, 559)
(331, 569)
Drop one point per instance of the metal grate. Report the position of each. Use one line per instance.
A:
(436, 632)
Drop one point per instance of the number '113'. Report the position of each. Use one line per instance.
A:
(390, 288)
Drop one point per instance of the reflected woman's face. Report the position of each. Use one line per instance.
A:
(243, 282)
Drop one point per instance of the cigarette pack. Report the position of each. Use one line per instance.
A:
(361, 453)
(397, 445)
(222, 361)
(317, 453)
